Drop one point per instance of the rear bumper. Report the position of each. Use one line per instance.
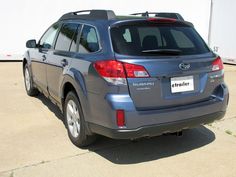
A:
(158, 121)
(158, 129)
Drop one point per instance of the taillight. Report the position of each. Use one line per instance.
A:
(110, 68)
(116, 72)
(134, 71)
(217, 64)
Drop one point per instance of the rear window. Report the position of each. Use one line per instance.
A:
(142, 40)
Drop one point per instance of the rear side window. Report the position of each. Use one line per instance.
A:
(67, 33)
(156, 40)
(88, 40)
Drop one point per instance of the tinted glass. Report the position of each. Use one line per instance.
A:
(136, 39)
(49, 37)
(88, 40)
(65, 37)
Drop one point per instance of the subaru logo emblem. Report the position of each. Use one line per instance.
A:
(184, 66)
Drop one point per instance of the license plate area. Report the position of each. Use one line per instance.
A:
(182, 84)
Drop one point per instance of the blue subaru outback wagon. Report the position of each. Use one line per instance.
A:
(125, 77)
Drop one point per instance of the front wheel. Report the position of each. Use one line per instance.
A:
(31, 91)
(75, 123)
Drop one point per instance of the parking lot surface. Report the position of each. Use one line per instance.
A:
(34, 142)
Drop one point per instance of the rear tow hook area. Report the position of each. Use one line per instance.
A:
(178, 134)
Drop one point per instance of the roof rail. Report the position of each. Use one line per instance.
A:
(89, 15)
(161, 14)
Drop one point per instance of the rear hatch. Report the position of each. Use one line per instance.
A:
(175, 57)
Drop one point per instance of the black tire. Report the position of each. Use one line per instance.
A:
(82, 139)
(30, 89)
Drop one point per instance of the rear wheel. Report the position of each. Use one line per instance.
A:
(75, 123)
(31, 91)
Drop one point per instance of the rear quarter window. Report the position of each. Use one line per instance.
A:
(88, 40)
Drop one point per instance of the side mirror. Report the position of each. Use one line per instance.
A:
(31, 43)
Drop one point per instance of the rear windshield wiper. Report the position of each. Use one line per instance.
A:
(163, 51)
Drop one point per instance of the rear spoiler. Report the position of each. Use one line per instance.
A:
(160, 14)
(152, 20)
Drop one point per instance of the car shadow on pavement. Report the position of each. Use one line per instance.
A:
(145, 149)
(148, 149)
(52, 107)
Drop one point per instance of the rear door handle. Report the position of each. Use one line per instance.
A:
(44, 57)
(64, 62)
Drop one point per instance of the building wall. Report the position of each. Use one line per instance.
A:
(28, 19)
(223, 29)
